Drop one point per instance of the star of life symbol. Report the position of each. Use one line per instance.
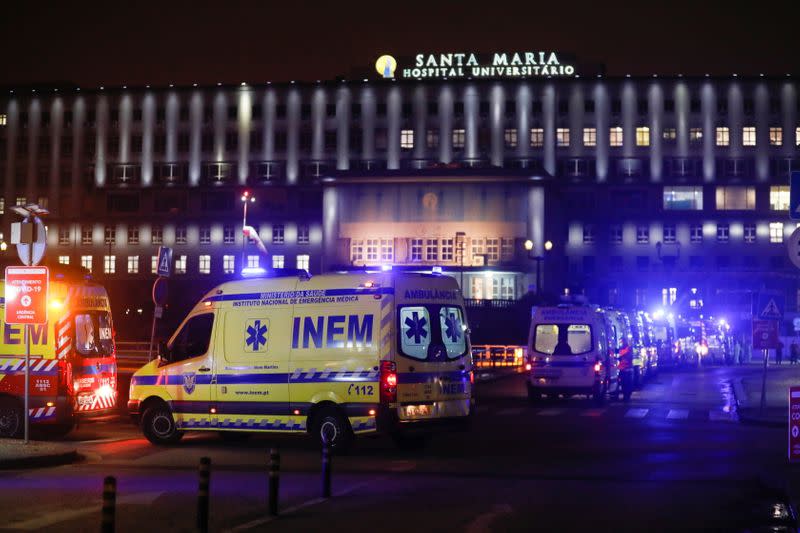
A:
(189, 382)
(255, 336)
(416, 327)
(452, 328)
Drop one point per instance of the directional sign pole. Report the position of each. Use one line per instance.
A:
(764, 385)
(27, 336)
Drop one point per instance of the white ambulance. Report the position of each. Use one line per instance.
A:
(570, 352)
(333, 355)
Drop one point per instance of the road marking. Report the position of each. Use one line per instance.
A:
(717, 415)
(594, 412)
(678, 414)
(483, 522)
(510, 412)
(550, 412)
(637, 413)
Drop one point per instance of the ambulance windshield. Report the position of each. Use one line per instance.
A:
(563, 339)
(93, 334)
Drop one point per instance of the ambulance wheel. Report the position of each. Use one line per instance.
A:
(11, 422)
(158, 425)
(331, 426)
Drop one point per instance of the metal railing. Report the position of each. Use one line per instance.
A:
(496, 355)
(131, 355)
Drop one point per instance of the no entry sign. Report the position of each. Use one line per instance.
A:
(794, 423)
(26, 295)
(765, 334)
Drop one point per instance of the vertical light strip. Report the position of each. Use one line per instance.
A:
(708, 103)
(523, 120)
(270, 103)
(393, 105)
(195, 144)
(292, 136)
(445, 123)
(318, 102)
(125, 112)
(762, 125)
(148, 125)
(245, 124)
(682, 118)
(497, 110)
(602, 112)
(172, 118)
(420, 110)
(343, 128)
(549, 125)
(471, 119)
(629, 114)
(655, 110)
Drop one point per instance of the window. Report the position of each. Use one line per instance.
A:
(669, 134)
(723, 136)
(588, 234)
(253, 262)
(43, 202)
(133, 235)
(797, 136)
(432, 250)
(562, 137)
(228, 264)
(696, 233)
(775, 136)
(180, 235)
(277, 234)
(589, 136)
(683, 198)
(302, 234)
(506, 249)
(695, 135)
(372, 249)
(776, 232)
(193, 338)
(357, 251)
(2, 206)
(63, 259)
(459, 136)
(111, 235)
(723, 232)
(63, 236)
(416, 249)
(749, 233)
(180, 265)
(406, 139)
(153, 264)
(415, 337)
(510, 136)
(736, 198)
(477, 247)
(615, 234)
(133, 264)
(537, 137)
(205, 235)
(749, 136)
(21, 200)
(228, 235)
(277, 261)
(493, 249)
(303, 261)
(643, 136)
(669, 234)
(109, 264)
(432, 138)
(779, 197)
(3, 119)
(86, 262)
(447, 249)
(615, 136)
(204, 264)
(642, 234)
(563, 339)
(450, 324)
(387, 250)
(157, 235)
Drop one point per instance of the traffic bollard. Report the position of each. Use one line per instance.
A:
(326, 469)
(202, 494)
(274, 480)
(109, 502)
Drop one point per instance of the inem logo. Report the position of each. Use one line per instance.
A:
(329, 331)
(385, 66)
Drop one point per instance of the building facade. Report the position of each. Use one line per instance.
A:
(652, 191)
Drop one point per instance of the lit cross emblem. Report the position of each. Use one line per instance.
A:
(452, 328)
(416, 327)
(256, 336)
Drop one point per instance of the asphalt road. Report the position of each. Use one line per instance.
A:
(674, 459)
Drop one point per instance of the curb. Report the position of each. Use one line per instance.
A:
(740, 397)
(40, 461)
(499, 375)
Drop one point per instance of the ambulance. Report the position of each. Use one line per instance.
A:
(73, 370)
(334, 356)
(571, 351)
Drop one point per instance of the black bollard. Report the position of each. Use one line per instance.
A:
(274, 480)
(109, 503)
(202, 494)
(326, 469)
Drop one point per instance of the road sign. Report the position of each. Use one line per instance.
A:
(793, 247)
(33, 252)
(26, 295)
(794, 195)
(770, 306)
(765, 334)
(794, 423)
(164, 261)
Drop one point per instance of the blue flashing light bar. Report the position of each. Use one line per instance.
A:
(386, 268)
(253, 271)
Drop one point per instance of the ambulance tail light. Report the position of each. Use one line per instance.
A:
(597, 367)
(388, 382)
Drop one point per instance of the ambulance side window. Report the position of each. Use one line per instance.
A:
(415, 331)
(193, 338)
(451, 323)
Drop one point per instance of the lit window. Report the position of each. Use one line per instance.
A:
(302, 234)
(510, 136)
(749, 136)
(111, 235)
(695, 135)
(3, 119)
(228, 264)
(797, 136)
(387, 250)
(669, 134)
(406, 139)
(204, 264)
(615, 234)
(277, 234)
(43, 202)
(157, 235)
(205, 235)
(537, 137)
(447, 249)
(253, 262)
(303, 261)
(357, 251)
(749, 233)
(21, 200)
(779, 197)
(2, 206)
(459, 136)
(372, 250)
(477, 247)
(723, 136)
(493, 249)
(736, 198)
(154, 264)
(588, 234)
(776, 232)
(669, 234)
(506, 250)
(683, 198)
(589, 136)
(277, 261)
(615, 136)
(432, 250)
(109, 264)
(86, 262)
(63, 236)
(86, 235)
(63, 259)
(723, 232)
(696, 233)
(228, 235)
(642, 234)
(643, 136)
(562, 137)
(432, 138)
(180, 235)
(133, 264)
(180, 265)
(776, 136)
(416, 249)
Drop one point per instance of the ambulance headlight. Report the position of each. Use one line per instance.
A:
(104, 391)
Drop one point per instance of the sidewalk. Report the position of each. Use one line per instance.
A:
(748, 394)
(15, 454)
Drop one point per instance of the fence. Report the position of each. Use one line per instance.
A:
(495, 355)
(132, 355)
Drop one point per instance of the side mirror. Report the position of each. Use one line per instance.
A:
(163, 351)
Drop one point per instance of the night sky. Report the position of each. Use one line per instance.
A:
(116, 43)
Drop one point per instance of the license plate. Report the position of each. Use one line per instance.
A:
(85, 400)
(417, 410)
(547, 373)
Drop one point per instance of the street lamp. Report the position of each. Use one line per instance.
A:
(247, 198)
(548, 245)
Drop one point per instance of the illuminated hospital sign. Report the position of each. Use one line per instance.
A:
(470, 65)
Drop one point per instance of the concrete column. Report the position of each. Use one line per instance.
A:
(762, 124)
(576, 122)
(629, 114)
(708, 106)
(270, 102)
(655, 109)
(497, 122)
(318, 101)
(681, 95)
(148, 123)
(394, 109)
(602, 114)
(471, 121)
(56, 127)
(125, 119)
(523, 120)
(445, 124)
(78, 158)
(420, 103)
(101, 141)
(343, 128)
(368, 105)
(34, 130)
(245, 125)
(735, 118)
(292, 136)
(220, 123)
(171, 119)
(195, 132)
(549, 125)
(788, 96)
